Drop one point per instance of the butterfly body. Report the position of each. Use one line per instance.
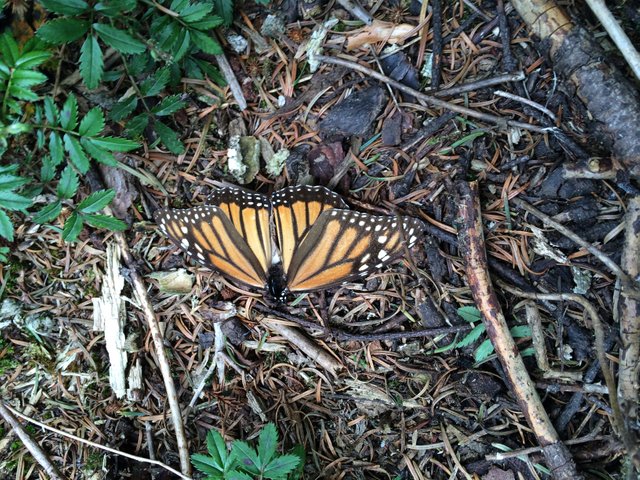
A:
(319, 242)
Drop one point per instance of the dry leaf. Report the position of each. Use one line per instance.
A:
(380, 31)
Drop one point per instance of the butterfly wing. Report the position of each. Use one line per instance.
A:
(343, 245)
(210, 237)
(295, 210)
(250, 214)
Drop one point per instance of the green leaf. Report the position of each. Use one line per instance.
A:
(247, 456)
(114, 8)
(169, 137)
(194, 12)
(155, 83)
(55, 148)
(51, 111)
(96, 201)
(280, 466)
(91, 63)
(65, 7)
(12, 201)
(6, 226)
(72, 228)
(225, 9)
(520, 331)
(11, 182)
(3, 254)
(9, 49)
(32, 59)
(208, 23)
(483, 351)
(100, 154)
(76, 153)
(28, 78)
(115, 144)
(470, 314)
(124, 108)
(68, 184)
(48, 212)
(118, 39)
(62, 30)
(137, 124)
(267, 442)
(181, 44)
(235, 475)
(48, 169)
(92, 123)
(212, 72)
(169, 105)
(472, 336)
(205, 43)
(217, 448)
(22, 93)
(105, 221)
(69, 113)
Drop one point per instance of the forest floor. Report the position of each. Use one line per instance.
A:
(392, 376)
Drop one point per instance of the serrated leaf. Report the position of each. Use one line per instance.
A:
(235, 475)
(105, 221)
(68, 184)
(155, 83)
(483, 351)
(217, 448)
(22, 93)
(28, 78)
(48, 169)
(92, 123)
(32, 59)
(72, 228)
(212, 72)
(91, 62)
(9, 48)
(55, 148)
(181, 45)
(225, 9)
(48, 212)
(62, 30)
(247, 456)
(13, 201)
(123, 108)
(6, 226)
(137, 124)
(472, 336)
(65, 7)
(205, 43)
(115, 144)
(470, 314)
(206, 465)
(169, 138)
(77, 156)
(118, 39)
(267, 442)
(280, 466)
(169, 105)
(520, 331)
(69, 113)
(114, 8)
(194, 12)
(11, 182)
(208, 23)
(51, 111)
(96, 201)
(100, 154)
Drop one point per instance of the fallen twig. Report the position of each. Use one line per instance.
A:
(472, 249)
(34, 448)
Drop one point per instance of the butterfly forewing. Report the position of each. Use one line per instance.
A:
(250, 214)
(343, 245)
(210, 237)
(295, 211)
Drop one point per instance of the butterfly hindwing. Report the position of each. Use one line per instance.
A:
(210, 237)
(250, 214)
(342, 245)
(295, 210)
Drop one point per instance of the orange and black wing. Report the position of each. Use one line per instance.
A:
(342, 245)
(250, 214)
(207, 235)
(295, 210)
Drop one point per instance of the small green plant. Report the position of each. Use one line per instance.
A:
(243, 462)
(10, 200)
(485, 349)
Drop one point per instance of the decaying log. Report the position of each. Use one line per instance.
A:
(610, 97)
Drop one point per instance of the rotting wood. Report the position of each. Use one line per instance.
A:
(605, 91)
(471, 243)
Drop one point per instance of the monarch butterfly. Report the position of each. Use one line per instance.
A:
(320, 242)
